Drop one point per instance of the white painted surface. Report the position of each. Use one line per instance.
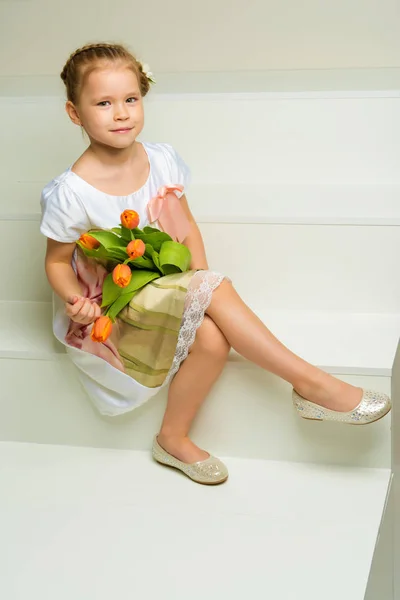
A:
(242, 141)
(346, 343)
(26, 331)
(308, 267)
(251, 203)
(298, 267)
(396, 522)
(396, 469)
(286, 203)
(381, 577)
(103, 523)
(38, 36)
(248, 414)
(347, 141)
(24, 276)
(303, 131)
(298, 83)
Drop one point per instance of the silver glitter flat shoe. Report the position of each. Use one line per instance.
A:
(210, 471)
(372, 407)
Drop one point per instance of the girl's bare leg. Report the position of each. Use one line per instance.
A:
(230, 322)
(190, 386)
(248, 335)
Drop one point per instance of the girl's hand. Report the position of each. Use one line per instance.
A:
(82, 310)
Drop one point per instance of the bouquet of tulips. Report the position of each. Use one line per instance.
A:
(133, 257)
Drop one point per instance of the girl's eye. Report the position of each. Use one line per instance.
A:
(104, 102)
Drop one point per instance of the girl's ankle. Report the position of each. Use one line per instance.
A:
(171, 435)
(314, 384)
(182, 448)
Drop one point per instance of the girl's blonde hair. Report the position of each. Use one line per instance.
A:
(84, 60)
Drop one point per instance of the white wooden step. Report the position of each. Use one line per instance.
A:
(247, 414)
(241, 140)
(95, 524)
(341, 343)
(283, 203)
(381, 578)
(314, 267)
(26, 331)
(283, 83)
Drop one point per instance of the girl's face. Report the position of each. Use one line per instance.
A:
(110, 107)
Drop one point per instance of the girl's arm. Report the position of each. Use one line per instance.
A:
(64, 282)
(59, 271)
(194, 240)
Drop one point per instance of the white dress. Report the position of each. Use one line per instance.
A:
(70, 207)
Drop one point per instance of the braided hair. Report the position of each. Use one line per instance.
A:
(85, 59)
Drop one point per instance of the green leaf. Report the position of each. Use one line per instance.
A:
(111, 291)
(142, 263)
(116, 230)
(117, 252)
(174, 257)
(156, 259)
(107, 239)
(123, 233)
(170, 269)
(119, 304)
(99, 253)
(140, 279)
(154, 239)
(151, 253)
(149, 229)
(128, 234)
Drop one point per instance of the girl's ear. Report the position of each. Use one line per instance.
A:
(72, 113)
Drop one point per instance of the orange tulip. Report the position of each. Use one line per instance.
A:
(130, 219)
(122, 275)
(101, 329)
(89, 242)
(136, 248)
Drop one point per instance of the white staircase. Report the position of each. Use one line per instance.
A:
(307, 184)
(85, 523)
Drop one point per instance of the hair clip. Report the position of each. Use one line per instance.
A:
(147, 72)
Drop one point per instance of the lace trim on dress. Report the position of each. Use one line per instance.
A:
(197, 300)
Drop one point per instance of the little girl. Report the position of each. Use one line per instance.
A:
(105, 87)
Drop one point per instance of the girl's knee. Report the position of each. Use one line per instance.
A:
(211, 340)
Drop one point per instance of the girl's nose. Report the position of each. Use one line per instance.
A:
(121, 112)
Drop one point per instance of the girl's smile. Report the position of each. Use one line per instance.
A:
(125, 130)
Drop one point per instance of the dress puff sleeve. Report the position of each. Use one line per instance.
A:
(177, 168)
(64, 218)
